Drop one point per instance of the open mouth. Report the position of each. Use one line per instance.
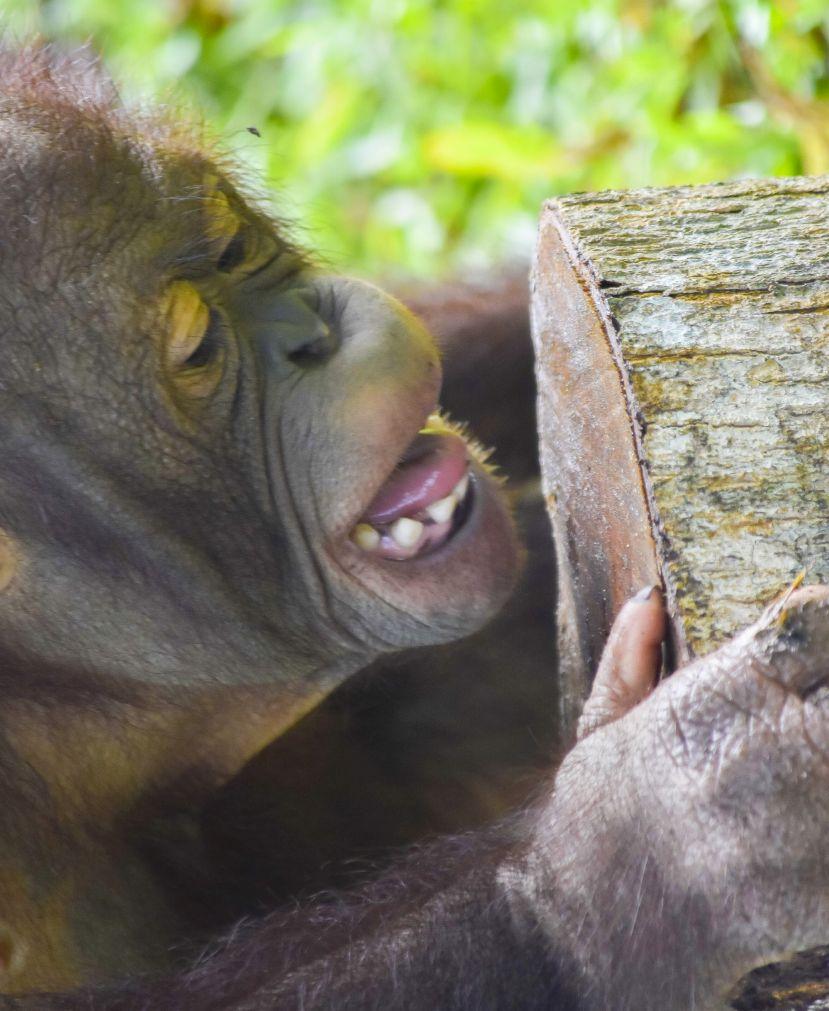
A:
(425, 500)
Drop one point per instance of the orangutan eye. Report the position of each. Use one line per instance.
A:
(193, 342)
(223, 228)
(188, 320)
(210, 346)
(233, 255)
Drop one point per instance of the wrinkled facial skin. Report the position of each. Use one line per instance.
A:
(194, 419)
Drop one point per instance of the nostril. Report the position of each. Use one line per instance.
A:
(318, 347)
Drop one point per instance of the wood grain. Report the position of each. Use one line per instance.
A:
(711, 304)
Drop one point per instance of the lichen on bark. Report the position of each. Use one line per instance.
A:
(716, 309)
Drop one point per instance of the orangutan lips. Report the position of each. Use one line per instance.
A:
(415, 510)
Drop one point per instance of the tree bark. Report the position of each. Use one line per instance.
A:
(681, 338)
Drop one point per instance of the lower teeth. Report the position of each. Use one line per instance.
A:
(366, 537)
(412, 535)
(406, 532)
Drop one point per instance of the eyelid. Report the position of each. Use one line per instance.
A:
(187, 318)
(234, 254)
(281, 266)
(222, 221)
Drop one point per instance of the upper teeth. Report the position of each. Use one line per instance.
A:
(442, 510)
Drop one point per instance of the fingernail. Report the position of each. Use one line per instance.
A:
(645, 593)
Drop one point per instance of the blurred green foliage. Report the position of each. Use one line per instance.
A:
(422, 135)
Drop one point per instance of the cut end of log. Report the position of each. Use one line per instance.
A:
(682, 338)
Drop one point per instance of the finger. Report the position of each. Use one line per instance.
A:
(633, 654)
(788, 645)
(806, 593)
(792, 638)
(630, 662)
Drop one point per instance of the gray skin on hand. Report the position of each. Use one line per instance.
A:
(699, 821)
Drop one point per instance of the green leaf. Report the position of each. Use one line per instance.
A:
(493, 150)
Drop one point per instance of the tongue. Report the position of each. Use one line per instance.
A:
(431, 468)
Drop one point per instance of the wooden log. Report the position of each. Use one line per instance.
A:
(682, 338)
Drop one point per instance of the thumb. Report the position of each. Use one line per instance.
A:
(630, 662)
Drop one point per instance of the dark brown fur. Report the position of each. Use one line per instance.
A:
(389, 759)
(193, 420)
